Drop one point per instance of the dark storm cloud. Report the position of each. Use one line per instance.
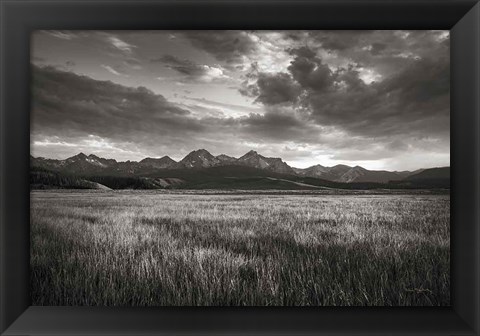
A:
(228, 46)
(182, 66)
(309, 71)
(65, 103)
(423, 80)
(397, 145)
(403, 104)
(377, 48)
(338, 40)
(304, 52)
(273, 120)
(384, 50)
(276, 89)
(278, 124)
(191, 70)
(412, 101)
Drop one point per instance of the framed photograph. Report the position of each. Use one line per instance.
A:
(224, 167)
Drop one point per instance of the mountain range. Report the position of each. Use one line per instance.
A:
(203, 162)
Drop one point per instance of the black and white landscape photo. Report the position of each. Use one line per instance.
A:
(240, 168)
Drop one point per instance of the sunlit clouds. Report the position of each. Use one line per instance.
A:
(379, 99)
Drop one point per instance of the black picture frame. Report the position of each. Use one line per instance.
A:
(19, 18)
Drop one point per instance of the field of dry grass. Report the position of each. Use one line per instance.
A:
(156, 249)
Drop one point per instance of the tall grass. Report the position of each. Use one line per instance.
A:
(153, 249)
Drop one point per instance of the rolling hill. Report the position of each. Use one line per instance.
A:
(432, 173)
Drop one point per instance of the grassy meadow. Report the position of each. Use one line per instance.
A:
(150, 248)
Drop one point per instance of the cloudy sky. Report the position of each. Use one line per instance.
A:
(379, 99)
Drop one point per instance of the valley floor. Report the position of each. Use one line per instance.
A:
(317, 248)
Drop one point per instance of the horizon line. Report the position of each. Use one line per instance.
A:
(196, 150)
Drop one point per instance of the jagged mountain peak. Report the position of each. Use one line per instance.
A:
(200, 158)
(78, 156)
(201, 151)
(250, 153)
(317, 166)
(255, 160)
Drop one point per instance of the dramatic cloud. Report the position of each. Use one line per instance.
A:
(340, 40)
(228, 46)
(191, 70)
(70, 112)
(276, 89)
(278, 125)
(414, 101)
(380, 99)
(309, 71)
(66, 104)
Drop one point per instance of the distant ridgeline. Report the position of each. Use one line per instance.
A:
(201, 170)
